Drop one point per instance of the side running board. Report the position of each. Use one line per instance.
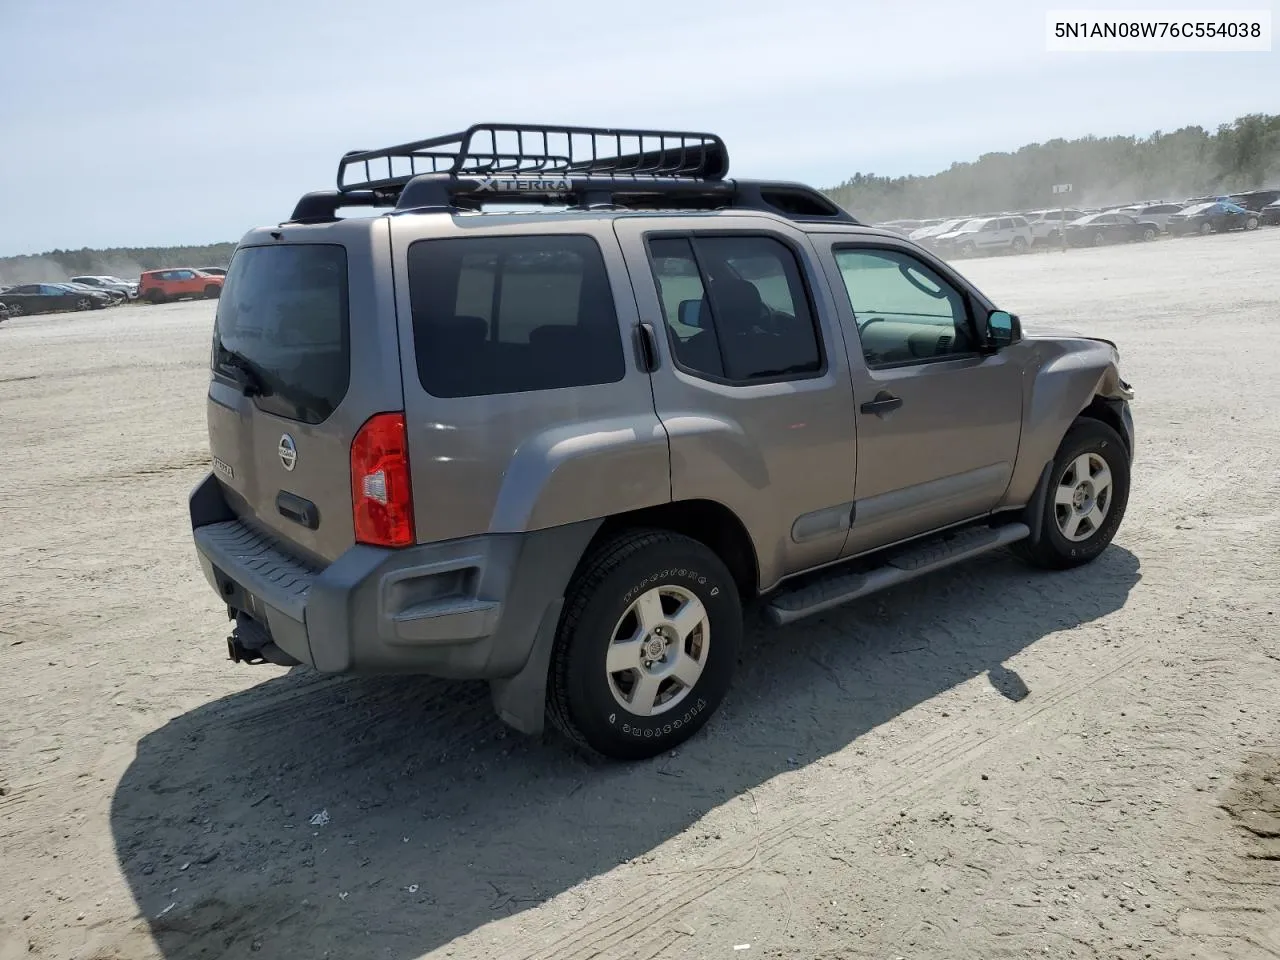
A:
(840, 586)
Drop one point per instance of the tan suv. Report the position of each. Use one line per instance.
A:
(560, 449)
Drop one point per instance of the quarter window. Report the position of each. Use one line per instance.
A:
(905, 311)
(736, 308)
(499, 315)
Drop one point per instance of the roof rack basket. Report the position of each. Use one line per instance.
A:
(510, 149)
(560, 165)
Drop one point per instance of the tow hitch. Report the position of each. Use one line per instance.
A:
(250, 643)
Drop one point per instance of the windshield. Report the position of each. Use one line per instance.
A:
(973, 226)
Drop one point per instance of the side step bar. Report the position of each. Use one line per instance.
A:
(840, 586)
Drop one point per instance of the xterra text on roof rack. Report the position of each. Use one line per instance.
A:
(560, 449)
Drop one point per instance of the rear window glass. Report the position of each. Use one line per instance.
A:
(283, 314)
(496, 315)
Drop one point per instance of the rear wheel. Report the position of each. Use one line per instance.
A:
(1149, 234)
(155, 296)
(84, 303)
(646, 647)
(1088, 493)
(967, 249)
(16, 310)
(1019, 245)
(1099, 238)
(212, 291)
(1251, 223)
(1206, 228)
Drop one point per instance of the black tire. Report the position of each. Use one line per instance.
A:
(580, 697)
(155, 295)
(1051, 549)
(212, 292)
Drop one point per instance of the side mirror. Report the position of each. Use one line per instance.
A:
(1002, 329)
(690, 313)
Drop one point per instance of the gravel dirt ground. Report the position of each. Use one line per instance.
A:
(989, 763)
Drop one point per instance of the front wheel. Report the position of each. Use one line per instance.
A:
(646, 647)
(16, 310)
(1206, 229)
(1149, 234)
(1019, 245)
(1088, 493)
(1099, 238)
(1251, 223)
(84, 303)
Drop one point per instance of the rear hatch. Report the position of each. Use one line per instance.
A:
(297, 367)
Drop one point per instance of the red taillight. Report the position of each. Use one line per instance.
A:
(381, 496)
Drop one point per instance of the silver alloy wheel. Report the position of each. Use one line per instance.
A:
(658, 650)
(1083, 497)
(84, 303)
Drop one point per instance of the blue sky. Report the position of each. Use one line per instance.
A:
(139, 122)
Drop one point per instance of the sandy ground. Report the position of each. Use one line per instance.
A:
(991, 763)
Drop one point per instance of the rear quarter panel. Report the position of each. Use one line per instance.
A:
(538, 459)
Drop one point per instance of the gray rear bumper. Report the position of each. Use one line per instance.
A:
(468, 608)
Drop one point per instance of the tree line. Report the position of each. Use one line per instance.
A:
(1190, 162)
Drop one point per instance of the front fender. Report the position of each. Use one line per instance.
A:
(1065, 374)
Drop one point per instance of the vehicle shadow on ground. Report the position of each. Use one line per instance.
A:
(431, 820)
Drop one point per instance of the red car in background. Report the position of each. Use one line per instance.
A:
(176, 283)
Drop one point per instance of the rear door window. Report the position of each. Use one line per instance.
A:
(500, 315)
(284, 315)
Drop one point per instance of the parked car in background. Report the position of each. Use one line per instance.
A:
(130, 290)
(1255, 199)
(1097, 229)
(986, 235)
(116, 297)
(178, 283)
(1157, 213)
(52, 297)
(1270, 214)
(1046, 225)
(213, 271)
(1216, 217)
(901, 227)
(926, 235)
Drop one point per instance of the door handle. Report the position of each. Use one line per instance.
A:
(884, 402)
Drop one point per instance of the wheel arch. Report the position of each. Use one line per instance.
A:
(709, 522)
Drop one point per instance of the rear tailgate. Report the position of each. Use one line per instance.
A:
(304, 351)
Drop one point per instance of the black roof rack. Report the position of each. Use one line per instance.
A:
(573, 166)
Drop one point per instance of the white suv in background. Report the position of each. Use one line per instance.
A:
(1011, 234)
(1046, 225)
